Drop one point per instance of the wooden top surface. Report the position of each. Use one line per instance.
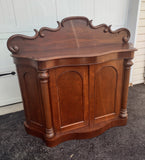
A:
(74, 37)
(76, 52)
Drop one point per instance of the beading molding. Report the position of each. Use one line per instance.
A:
(106, 29)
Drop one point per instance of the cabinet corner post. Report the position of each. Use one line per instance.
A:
(127, 65)
(44, 83)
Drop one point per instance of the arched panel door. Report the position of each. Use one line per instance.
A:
(69, 97)
(106, 90)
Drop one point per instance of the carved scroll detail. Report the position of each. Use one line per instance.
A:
(49, 29)
(15, 49)
(107, 29)
(72, 18)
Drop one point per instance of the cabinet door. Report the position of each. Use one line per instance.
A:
(105, 89)
(69, 96)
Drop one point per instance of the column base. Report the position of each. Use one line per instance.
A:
(123, 113)
(49, 133)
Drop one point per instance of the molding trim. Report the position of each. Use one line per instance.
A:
(11, 108)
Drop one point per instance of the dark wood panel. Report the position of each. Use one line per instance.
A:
(32, 97)
(72, 33)
(105, 90)
(71, 94)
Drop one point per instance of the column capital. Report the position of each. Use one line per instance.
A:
(43, 75)
(128, 63)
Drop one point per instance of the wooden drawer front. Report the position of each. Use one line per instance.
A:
(106, 89)
(69, 95)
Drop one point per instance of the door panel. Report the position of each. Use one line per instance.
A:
(69, 97)
(106, 88)
(71, 90)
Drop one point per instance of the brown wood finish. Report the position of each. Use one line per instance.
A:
(69, 94)
(73, 79)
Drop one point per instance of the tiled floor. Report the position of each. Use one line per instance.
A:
(11, 108)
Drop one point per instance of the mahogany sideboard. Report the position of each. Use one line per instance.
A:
(74, 79)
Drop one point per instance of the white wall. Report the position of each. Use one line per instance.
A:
(22, 16)
(139, 59)
(132, 22)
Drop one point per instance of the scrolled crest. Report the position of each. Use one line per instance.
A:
(14, 48)
(108, 29)
(14, 45)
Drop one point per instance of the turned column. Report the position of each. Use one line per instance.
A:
(44, 83)
(127, 65)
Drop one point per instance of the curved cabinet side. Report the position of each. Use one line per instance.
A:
(105, 91)
(31, 97)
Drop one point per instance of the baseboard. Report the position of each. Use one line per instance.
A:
(11, 108)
